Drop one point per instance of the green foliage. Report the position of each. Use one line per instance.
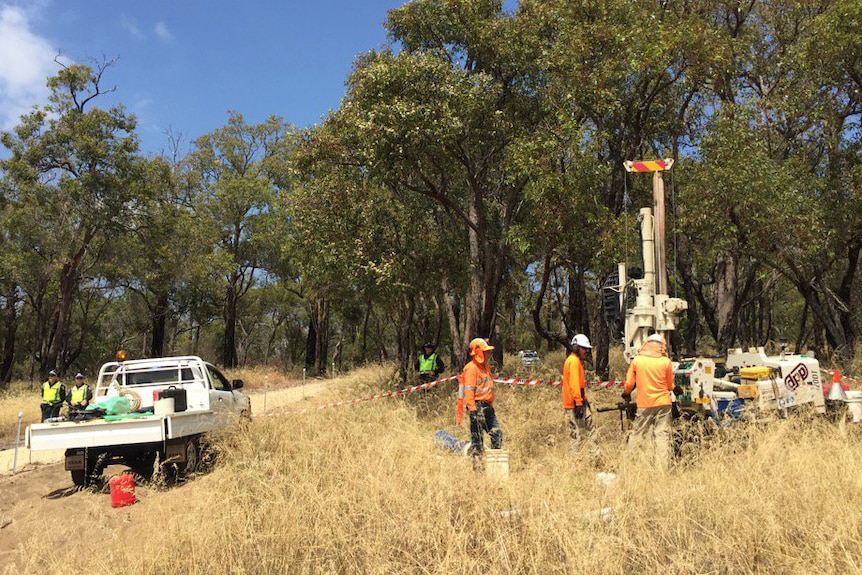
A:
(470, 183)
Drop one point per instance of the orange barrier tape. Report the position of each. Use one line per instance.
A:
(831, 372)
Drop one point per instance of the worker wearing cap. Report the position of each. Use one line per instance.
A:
(53, 395)
(578, 412)
(651, 372)
(429, 365)
(478, 387)
(80, 396)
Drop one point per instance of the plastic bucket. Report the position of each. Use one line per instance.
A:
(854, 405)
(179, 396)
(497, 463)
(164, 406)
(122, 490)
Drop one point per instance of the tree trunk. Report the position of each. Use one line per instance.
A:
(552, 338)
(725, 306)
(322, 335)
(406, 349)
(229, 357)
(159, 321)
(10, 329)
(311, 340)
(459, 355)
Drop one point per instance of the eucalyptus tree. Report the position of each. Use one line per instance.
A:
(438, 120)
(616, 84)
(233, 191)
(776, 153)
(69, 176)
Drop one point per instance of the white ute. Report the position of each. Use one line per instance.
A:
(139, 440)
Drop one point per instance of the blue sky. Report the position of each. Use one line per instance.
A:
(183, 64)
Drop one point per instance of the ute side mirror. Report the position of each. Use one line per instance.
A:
(236, 384)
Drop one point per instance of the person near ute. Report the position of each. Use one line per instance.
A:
(578, 412)
(429, 365)
(53, 396)
(80, 395)
(478, 386)
(651, 372)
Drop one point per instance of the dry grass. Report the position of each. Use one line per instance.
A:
(363, 489)
(18, 398)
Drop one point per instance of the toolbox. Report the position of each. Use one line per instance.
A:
(178, 395)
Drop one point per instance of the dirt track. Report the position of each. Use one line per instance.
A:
(41, 493)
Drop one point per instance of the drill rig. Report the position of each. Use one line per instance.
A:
(745, 380)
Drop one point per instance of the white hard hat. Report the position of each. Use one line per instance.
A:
(656, 337)
(581, 340)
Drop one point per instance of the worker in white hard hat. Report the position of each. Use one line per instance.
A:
(579, 415)
(651, 372)
(478, 386)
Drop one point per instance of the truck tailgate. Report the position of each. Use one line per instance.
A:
(101, 433)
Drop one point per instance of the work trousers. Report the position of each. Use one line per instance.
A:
(652, 425)
(582, 431)
(484, 419)
(49, 410)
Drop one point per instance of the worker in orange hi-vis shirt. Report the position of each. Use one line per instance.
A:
(478, 385)
(651, 372)
(578, 412)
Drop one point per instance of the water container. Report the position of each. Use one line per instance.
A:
(854, 405)
(497, 463)
(179, 395)
(164, 406)
(122, 490)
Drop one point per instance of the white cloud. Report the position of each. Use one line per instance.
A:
(26, 61)
(161, 30)
(132, 28)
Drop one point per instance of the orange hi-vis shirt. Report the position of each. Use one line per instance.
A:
(654, 378)
(573, 382)
(478, 384)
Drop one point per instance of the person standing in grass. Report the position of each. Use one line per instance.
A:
(651, 372)
(578, 412)
(53, 396)
(429, 365)
(478, 385)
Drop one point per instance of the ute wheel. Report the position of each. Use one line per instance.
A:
(92, 475)
(144, 465)
(79, 477)
(193, 459)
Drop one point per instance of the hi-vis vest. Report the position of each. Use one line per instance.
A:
(51, 393)
(427, 364)
(79, 394)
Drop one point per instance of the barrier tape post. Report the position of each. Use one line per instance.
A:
(17, 441)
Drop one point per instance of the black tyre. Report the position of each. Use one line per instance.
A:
(193, 458)
(92, 475)
(79, 477)
(144, 465)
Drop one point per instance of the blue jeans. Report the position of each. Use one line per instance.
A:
(484, 419)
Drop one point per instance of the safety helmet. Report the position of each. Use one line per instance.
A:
(581, 340)
(479, 344)
(656, 337)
